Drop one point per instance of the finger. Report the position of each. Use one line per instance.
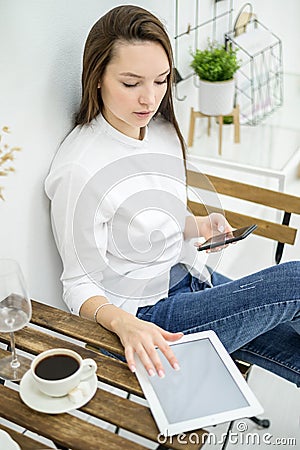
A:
(163, 346)
(144, 358)
(217, 249)
(167, 350)
(155, 359)
(172, 337)
(150, 359)
(169, 355)
(228, 228)
(129, 355)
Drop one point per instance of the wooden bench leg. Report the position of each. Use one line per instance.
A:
(220, 119)
(208, 126)
(236, 121)
(191, 128)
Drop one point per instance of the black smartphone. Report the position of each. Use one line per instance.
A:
(225, 238)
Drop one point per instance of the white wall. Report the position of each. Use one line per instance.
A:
(41, 44)
(282, 17)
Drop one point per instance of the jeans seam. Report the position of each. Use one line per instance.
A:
(240, 313)
(270, 359)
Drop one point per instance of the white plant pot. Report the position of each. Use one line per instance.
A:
(216, 98)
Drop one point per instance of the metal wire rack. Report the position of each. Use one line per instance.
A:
(211, 24)
(259, 81)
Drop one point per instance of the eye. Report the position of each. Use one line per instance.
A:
(161, 82)
(128, 85)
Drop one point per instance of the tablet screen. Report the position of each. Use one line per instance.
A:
(208, 389)
(203, 386)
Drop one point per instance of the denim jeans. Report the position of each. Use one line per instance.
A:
(257, 317)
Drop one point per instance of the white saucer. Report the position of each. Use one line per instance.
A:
(35, 399)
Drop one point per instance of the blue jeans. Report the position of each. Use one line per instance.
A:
(257, 317)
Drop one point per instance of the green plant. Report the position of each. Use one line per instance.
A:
(215, 63)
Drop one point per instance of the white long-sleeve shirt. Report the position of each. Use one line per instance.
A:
(118, 210)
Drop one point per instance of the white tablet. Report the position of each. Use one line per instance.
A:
(207, 390)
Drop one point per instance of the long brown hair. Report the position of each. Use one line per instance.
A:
(124, 23)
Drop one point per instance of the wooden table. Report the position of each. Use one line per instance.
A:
(70, 431)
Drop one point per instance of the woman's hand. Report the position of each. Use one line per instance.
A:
(137, 336)
(212, 225)
(141, 337)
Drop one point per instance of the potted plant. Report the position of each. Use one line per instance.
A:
(215, 66)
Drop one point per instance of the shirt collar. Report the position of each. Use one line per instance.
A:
(115, 134)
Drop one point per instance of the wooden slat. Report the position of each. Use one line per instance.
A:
(263, 196)
(243, 367)
(267, 229)
(124, 413)
(66, 323)
(105, 405)
(109, 371)
(25, 442)
(63, 429)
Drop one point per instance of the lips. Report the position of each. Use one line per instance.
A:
(143, 113)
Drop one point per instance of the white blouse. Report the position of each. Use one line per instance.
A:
(118, 210)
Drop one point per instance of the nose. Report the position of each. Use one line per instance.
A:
(147, 97)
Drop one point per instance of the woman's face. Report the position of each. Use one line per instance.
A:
(133, 86)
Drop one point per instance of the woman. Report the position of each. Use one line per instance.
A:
(120, 220)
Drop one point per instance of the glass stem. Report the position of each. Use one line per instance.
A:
(14, 360)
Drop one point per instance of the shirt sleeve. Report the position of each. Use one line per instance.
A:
(80, 233)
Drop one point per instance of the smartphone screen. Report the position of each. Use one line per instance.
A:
(226, 238)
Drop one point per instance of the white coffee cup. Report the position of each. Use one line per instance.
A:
(58, 371)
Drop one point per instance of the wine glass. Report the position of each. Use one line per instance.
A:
(15, 313)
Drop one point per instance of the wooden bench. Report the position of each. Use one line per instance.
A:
(73, 432)
(280, 202)
(69, 431)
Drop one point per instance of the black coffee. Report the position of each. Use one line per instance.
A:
(56, 367)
